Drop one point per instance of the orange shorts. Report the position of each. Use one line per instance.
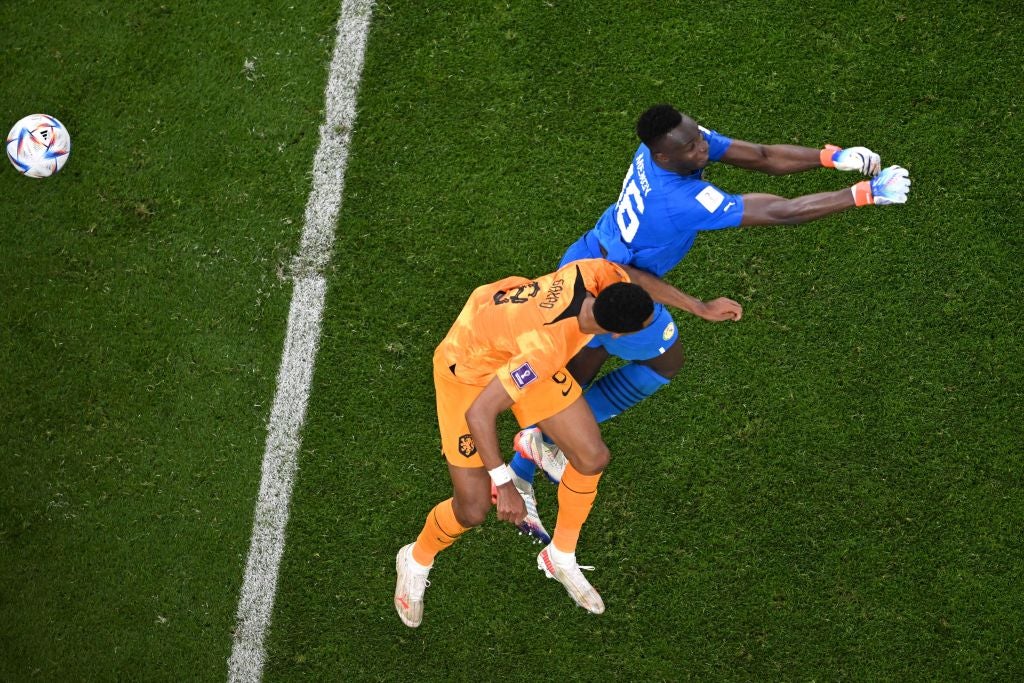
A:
(548, 397)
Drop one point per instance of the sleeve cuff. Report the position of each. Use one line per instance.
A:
(862, 194)
(826, 155)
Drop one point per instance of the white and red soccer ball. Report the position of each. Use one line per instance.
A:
(38, 145)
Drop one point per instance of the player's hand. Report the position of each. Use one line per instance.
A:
(857, 159)
(891, 186)
(720, 309)
(510, 505)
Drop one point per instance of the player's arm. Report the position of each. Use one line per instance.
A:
(784, 159)
(891, 186)
(664, 293)
(482, 418)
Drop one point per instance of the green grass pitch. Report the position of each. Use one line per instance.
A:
(830, 490)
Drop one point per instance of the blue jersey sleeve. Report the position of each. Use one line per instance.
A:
(706, 207)
(717, 143)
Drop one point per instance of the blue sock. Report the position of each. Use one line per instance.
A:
(622, 389)
(522, 467)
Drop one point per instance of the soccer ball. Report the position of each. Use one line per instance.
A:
(38, 145)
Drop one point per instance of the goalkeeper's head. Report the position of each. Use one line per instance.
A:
(657, 122)
(623, 307)
(675, 140)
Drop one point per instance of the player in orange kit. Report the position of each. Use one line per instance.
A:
(508, 349)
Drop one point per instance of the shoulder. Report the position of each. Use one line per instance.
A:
(717, 143)
(593, 274)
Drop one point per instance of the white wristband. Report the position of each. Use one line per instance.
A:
(501, 475)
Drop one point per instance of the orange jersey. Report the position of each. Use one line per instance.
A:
(522, 330)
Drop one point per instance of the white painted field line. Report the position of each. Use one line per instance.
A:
(284, 431)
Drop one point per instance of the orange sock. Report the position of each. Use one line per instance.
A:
(576, 494)
(440, 531)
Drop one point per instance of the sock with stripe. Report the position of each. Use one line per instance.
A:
(576, 494)
(622, 389)
(439, 532)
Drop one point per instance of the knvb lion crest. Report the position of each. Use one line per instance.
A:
(466, 445)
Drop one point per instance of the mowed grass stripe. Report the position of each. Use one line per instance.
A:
(142, 317)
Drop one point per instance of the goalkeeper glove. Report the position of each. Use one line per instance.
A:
(851, 159)
(891, 186)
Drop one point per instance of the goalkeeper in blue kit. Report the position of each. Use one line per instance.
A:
(664, 203)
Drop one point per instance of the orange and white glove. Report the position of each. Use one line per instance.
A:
(891, 186)
(851, 159)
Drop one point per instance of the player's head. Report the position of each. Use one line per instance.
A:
(656, 122)
(623, 308)
(674, 139)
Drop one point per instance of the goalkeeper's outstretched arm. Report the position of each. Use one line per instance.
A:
(891, 186)
(785, 159)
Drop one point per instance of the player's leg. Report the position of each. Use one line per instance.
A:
(532, 446)
(578, 435)
(445, 523)
(585, 365)
(450, 518)
(655, 356)
(669, 363)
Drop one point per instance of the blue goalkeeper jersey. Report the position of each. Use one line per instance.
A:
(658, 214)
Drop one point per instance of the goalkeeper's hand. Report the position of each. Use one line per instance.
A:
(891, 186)
(851, 159)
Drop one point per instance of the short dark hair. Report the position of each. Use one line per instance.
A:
(623, 307)
(656, 122)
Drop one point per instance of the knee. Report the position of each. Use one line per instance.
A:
(471, 513)
(669, 363)
(593, 459)
(670, 371)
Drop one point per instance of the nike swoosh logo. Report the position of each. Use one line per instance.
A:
(727, 206)
(566, 392)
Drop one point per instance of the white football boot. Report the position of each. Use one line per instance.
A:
(547, 456)
(409, 589)
(569, 575)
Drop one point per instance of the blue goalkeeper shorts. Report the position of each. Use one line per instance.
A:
(650, 342)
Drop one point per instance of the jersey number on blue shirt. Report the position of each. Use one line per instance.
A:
(628, 206)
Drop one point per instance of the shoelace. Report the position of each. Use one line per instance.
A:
(416, 593)
(585, 567)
